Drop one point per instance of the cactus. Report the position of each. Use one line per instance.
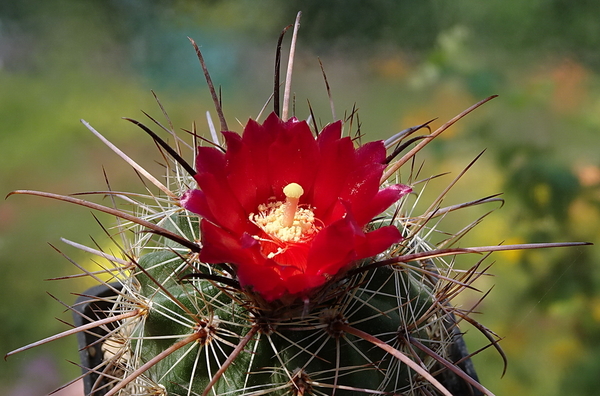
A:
(290, 260)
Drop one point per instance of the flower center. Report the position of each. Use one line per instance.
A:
(286, 221)
(288, 228)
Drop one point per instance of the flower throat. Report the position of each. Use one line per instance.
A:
(286, 222)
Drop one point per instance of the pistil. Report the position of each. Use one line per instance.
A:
(293, 192)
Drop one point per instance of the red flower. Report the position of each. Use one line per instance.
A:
(287, 210)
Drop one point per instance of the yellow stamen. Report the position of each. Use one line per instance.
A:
(285, 222)
(270, 220)
(293, 192)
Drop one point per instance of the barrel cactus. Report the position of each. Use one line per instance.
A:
(285, 260)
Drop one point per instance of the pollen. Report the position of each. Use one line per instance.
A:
(287, 221)
(270, 219)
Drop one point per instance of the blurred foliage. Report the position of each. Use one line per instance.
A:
(401, 62)
(511, 26)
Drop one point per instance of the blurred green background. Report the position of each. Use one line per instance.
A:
(401, 62)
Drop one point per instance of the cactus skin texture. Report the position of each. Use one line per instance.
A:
(175, 320)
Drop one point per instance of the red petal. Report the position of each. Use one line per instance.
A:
(293, 158)
(371, 153)
(359, 191)
(241, 174)
(272, 125)
(303, 283)
(330, 134)
(195, 201)
(332, 248)
(210, 160)
(220, 246)
(377, 241)
(294, 254)
(263, 280)
(338, 211)
(337, 160)
(225, 208)
(384, 199)
(258, 139)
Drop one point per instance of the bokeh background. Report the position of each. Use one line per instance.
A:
(401, 62)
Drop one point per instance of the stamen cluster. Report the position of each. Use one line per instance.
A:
(270, 219)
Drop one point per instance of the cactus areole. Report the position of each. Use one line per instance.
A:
(289, 211)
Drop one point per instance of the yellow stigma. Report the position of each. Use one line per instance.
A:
(293, 192)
